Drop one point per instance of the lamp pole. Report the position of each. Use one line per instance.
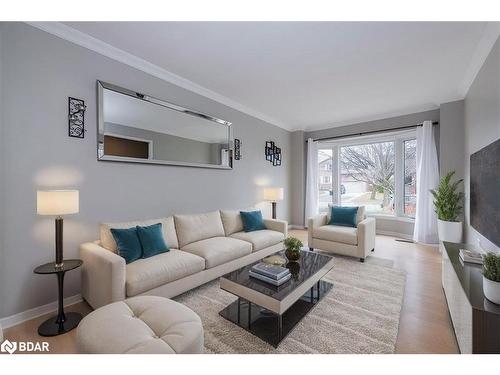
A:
(273, 203)
(59, 241)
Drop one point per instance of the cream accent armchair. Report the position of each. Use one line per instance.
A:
(357, 242)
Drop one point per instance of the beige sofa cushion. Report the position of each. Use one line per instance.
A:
(361, 215)
(231, 220)
(219, 250)
(260, 239)
(337, 233)
(192, 228)
(149, 273)
(108, 242)
(143, 324)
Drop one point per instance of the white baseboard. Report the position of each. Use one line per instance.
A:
(293, 226)
(23, 316)
(395, 234)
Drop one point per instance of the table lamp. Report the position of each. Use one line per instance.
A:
(273, 194)
(57, 203)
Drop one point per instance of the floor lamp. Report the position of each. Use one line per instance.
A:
(57, 203)
(273, 194)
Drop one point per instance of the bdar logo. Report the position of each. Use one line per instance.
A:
(24, 346)
(9, 347)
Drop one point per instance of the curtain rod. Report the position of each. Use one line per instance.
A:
(370, 132)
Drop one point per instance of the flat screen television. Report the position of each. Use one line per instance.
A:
(485, 191)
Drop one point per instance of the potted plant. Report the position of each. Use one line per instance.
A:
(491, 277)
(292, 246)
(448, 206)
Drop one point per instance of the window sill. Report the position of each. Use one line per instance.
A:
(403, 219)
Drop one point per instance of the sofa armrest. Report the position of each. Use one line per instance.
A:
(366, 236)
(103, 275)
(315, 222)
(277, 225)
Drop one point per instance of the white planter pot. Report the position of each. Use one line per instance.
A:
(450, 231)
(491, 290)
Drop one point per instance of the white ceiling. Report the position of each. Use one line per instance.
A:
(308, 75)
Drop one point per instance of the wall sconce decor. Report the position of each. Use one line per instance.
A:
(273, 153)
(76, 117)
(237, 149)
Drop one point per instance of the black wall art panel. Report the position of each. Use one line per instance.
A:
(237, 149)
(485, 191)
(76, 118)
(273, 153)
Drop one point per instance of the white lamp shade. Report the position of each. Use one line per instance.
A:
(57, 202)
(273, 194)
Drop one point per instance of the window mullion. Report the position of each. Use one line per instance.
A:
(336, 175)
(399, 177)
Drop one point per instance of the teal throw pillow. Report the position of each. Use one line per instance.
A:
(128, 244)
(252, 220)
(152, 241)
(344, 216)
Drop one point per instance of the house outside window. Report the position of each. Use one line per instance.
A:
(325, 171)
(378, 172)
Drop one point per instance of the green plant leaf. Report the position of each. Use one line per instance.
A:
(447, 201)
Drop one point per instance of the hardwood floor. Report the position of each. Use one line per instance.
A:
(425, 326)
(63, 344)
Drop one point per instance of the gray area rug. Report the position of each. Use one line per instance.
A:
(359, 315)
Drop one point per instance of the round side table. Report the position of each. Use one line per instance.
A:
(61, 323)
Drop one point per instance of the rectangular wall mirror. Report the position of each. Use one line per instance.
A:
(135, 127)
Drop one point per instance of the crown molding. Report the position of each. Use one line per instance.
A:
(490, 35)
(84, 40)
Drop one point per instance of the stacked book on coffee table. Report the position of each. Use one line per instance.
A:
(270, 273)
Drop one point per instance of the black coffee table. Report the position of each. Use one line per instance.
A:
(270, 312)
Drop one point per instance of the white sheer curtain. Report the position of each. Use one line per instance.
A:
(427, 178)
(311, 180)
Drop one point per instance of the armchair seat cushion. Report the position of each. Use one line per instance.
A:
(260, 239)
(335, 233)
(148, 273)
(219, 250)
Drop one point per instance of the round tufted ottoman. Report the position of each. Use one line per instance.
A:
(144, 324)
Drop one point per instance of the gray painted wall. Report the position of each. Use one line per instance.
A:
(482, 127)
(387, 123)
(452, 138)
(169, 147)
(404, 227)
(39, 72)
(298, 177)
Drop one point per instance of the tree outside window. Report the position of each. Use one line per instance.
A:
(367, 173)
(380, 175)
(410, 177)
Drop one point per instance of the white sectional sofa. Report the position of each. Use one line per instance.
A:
(203, 247)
